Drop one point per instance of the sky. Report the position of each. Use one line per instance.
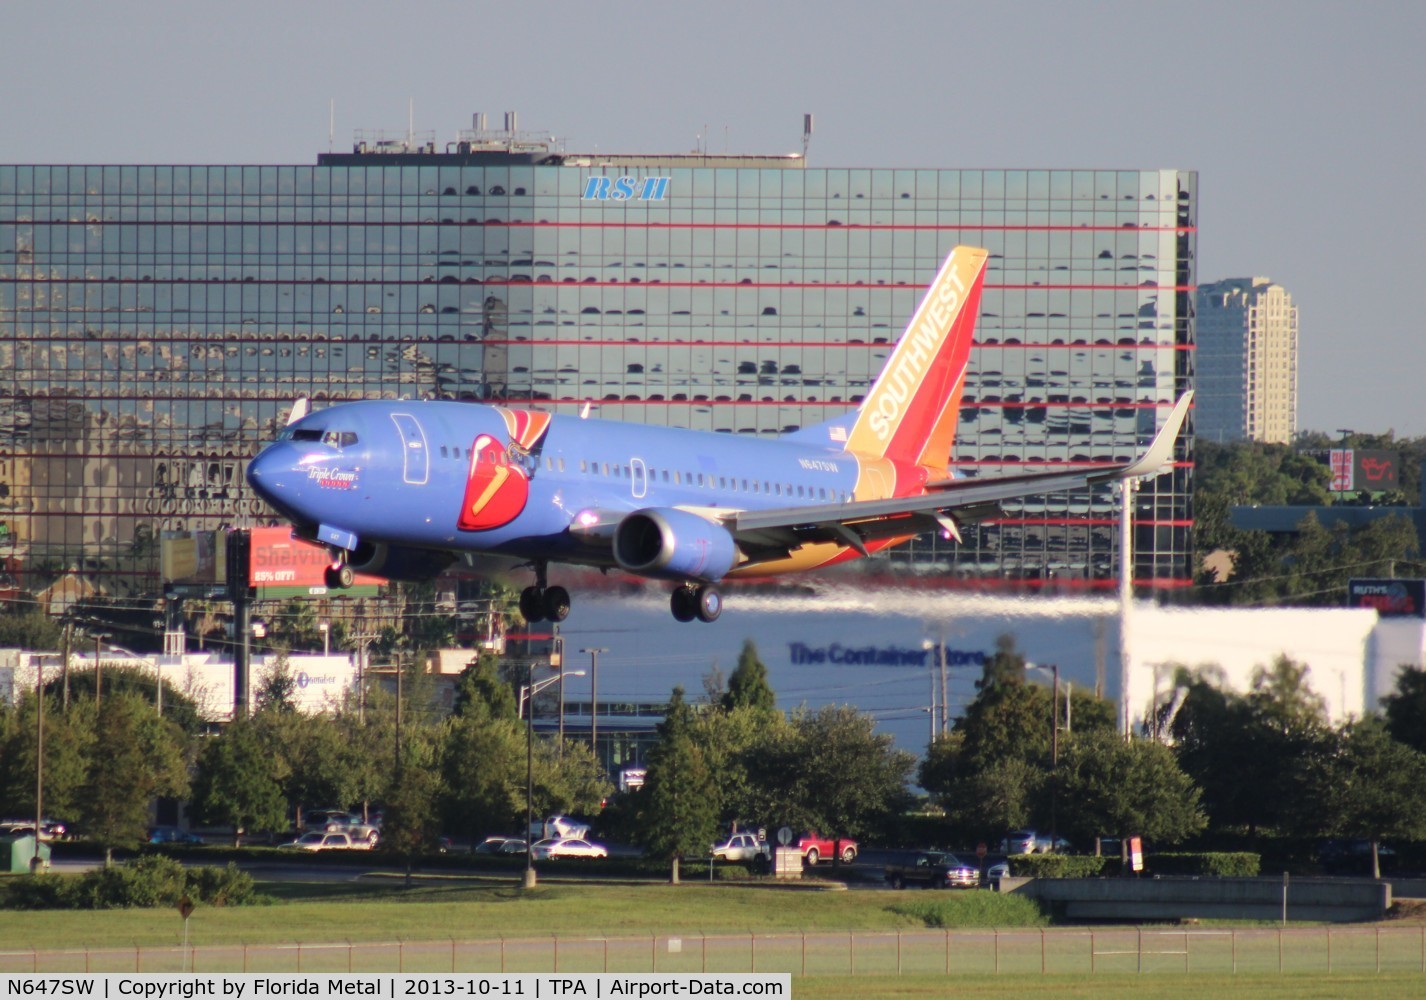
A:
(1303, 117)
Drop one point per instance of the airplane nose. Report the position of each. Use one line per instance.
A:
(265, 472)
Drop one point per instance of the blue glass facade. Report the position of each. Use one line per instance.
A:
(156, 323)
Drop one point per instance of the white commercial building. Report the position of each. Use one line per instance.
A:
(881, 651)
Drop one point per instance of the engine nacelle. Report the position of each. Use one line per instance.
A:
(397, 563)
(675, 545)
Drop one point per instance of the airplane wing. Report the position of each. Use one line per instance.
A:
(764, 534)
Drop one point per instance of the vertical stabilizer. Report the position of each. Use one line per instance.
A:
(911, 411)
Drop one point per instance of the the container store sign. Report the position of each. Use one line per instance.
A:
(1389, 598)
(881, 656)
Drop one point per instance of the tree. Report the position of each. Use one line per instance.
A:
(29, 630)
(235, 784)
(69, 737)
(139, 756)
(830, 771)
(1405, 707)
(1109, 785)
(748, 686)
(679, 801)
(480, 687)
(410, 827)
(1371, 788)
(483, 770)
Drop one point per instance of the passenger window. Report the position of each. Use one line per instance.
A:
(722, 483)
(606, 468)
(583, 465)
(561, 463)
(665, 475)
(444, 453)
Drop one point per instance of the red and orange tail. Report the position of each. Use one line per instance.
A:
(910, 414)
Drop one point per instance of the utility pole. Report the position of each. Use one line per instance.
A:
(98, 669)
(64, 667)
(529, 882)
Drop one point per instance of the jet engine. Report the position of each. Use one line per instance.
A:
(674, 544)
(398, 563)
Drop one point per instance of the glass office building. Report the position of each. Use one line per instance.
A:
(156, 323)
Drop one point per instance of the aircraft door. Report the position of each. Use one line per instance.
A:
(639, 478)
(415, 456)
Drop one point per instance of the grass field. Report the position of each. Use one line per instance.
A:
(440, 907)
(861, 943)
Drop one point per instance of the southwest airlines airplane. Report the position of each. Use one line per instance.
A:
(401, 489)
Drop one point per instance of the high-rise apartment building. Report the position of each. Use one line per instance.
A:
(156, 323)
(1247, 361)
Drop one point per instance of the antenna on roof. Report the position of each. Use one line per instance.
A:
(806, 133)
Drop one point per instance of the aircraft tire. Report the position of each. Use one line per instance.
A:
(532, 604)
(345, 576)
(684, 604)
(708, 604)
(556, 604)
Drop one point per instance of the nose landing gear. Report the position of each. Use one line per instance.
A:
(339, 575)
(702, 602)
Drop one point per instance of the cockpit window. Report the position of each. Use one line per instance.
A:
(337, 439)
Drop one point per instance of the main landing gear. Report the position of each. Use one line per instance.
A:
(542, 603)
(702, 602)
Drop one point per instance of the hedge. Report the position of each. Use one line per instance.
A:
(145, 882)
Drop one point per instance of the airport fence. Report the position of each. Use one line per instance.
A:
(1294, 950)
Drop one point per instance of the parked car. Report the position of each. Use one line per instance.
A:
(995, 868)
(322, 840)
(567, 847)
(328, 819)
(500, 845)
(741, 847)
(817, 848)
(935, 870)
(557, 828)
(173, 835)
(49, 829)
(1030, 842)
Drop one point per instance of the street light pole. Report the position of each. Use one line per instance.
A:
(594, 652)
(39, 759)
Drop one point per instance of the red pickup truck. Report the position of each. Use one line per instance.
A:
(817, 848)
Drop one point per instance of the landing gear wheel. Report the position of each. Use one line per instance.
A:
(684, 602)
(708, 604)
(532, 604)
(556, 604)
(338, 577)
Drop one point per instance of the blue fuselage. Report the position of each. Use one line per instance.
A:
(401, 473)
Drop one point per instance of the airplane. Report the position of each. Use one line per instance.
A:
(401, 489)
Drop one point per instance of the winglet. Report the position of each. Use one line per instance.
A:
(1160, 452)
(300, 409)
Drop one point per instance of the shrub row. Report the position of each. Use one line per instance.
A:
(152, 881)
(1226, 864)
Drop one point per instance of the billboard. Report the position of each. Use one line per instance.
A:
(194, 563)
(1372, 469)
(283, 566)
(1390, 598)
